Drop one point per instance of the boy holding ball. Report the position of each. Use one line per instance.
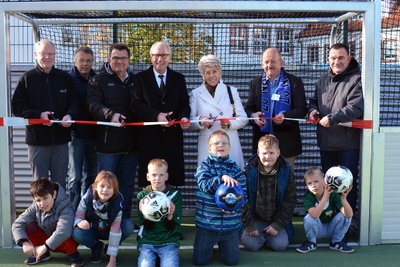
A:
(329, 213)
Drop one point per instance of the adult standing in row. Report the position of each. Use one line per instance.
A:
(214, 99)
(82, 167)
(338, 97)
(46, 92)
(108, 100)
(160, 94)
(277, 94)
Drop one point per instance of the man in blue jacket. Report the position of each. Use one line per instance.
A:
(82, 167)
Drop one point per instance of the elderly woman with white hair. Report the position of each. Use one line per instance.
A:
(214, 100)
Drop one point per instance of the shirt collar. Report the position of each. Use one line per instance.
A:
(156, 74)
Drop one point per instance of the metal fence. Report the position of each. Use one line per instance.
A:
(304, 48)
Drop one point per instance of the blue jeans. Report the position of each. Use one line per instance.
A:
(279, 242)
(82, 168)
(90, 237)
(335, 229)
(349, 159)
(53, 159)
(228, 245)
(168, 254)
(123, 165)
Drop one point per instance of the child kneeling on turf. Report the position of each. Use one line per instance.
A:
(99, 216)
(329, 213)
(161, 238)
(271, 188)
(214, 225)
(47, 224)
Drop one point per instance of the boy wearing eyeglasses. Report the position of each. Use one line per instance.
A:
(271, 191)
(214, 225)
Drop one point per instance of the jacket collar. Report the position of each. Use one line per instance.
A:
(40, 69)
(75, 73)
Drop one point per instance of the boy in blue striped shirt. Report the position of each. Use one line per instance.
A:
(213, 225)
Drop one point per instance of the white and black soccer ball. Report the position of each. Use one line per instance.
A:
(155, 206)
(339, 178)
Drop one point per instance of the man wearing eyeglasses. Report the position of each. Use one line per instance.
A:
(108, 100)
(160, 94)
(46, 92)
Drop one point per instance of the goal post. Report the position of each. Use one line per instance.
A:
(238, 32)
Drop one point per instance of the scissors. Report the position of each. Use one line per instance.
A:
(170, 119)
(212, 119)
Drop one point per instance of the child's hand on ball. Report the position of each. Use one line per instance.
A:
(171, 207)
(327, 190)
(171, 211)
(229, 181)
(140, 204)
(346, 193)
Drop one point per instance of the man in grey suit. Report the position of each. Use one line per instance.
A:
(160, 94)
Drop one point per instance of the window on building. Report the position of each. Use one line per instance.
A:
(238, 39)
(284, 41)
(261, 39)
(326, 53)
(313, 54)
(389, 50)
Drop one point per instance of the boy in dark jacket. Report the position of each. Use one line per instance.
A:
(47, 224)
(271, 191)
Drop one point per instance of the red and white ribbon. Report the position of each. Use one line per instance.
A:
(16, 121)
(361, 124)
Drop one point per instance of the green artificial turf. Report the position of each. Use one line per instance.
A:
(374, 256)
(378, 255)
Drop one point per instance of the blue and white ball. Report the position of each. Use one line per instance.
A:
(229, 198)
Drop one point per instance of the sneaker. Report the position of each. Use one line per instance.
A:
(307, 247)
(97, 252)
(75, 259)
(32, 260)
(341, 246)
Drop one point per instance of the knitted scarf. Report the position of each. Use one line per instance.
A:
(273, 103)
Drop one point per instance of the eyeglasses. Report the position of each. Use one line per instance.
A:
(46, 54)
(219, 143)
(119, 58)
(163, 56)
